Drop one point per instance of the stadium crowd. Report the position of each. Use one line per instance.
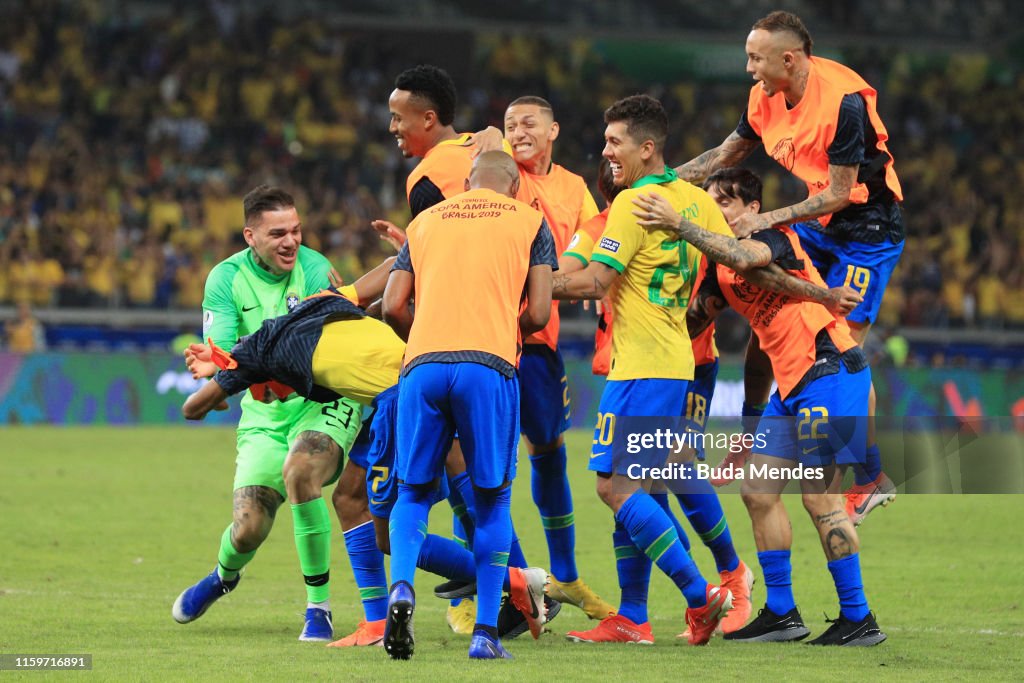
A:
(127, 143)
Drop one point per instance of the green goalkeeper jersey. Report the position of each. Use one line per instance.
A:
(240, 295)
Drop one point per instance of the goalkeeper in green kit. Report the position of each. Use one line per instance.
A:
(288, 448)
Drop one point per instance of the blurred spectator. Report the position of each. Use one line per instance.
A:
(127, 141)
(24, 333)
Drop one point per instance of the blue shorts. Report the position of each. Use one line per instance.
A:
(435, 400)
(544, 394)
(360, 451)
(655, 398)
(698, 398)
(862, 266)
(381, 489)
(826, 423)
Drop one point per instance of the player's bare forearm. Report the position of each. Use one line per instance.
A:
(395, 306)
(399, 319)
(370, 286)
(537, 313)
(838, 300)
(654, 211)
(733, 150)
(776, 279)
(593, 282)
(209, 397)
(833, 198)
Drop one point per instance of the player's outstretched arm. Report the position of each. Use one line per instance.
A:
(838, 300)
(836, 196)
(395, 305)
(370, 286)
(538, 300)
(593, 282)
(209, 397)
(654, 211)
(731, 152)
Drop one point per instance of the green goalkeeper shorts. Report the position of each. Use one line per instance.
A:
(266, 432)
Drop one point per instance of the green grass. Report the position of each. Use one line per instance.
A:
(101, 528)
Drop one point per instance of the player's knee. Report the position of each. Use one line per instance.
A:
(611, 495)
(297, 468)
(535, 448)
(248, 531)
(254, 510)
(820, 504)
(757, 501)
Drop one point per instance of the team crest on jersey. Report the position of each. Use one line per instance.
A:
(743, 290)
(292, 301)
(608, 244)
(785, 153)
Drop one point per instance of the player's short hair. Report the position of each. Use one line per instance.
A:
(606, 182)
(644, 116)
(264, 198)
(434, 87)
(535, 101)
(735, 182)
(779, 21)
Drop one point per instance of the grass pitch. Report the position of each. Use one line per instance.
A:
(101, 529)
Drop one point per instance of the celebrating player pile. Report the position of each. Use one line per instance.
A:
(467, 360)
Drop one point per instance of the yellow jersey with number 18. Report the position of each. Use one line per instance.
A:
(656, 275)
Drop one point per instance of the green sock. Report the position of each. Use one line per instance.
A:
(229, 560)
(313, 541)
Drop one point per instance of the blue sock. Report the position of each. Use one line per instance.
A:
(516, 558)
(778, 580)
(460, 497)
(846, 575)
(551, 493)
(368, 567)
(490, 549)
(872, 467)
(408, 529)
(704, 511)
(653, 532)
(445, 557)
(662, 500)
(634, 570)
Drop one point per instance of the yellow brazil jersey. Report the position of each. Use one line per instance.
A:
(357, 358)
(656, 274)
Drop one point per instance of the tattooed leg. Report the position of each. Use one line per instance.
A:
(254, 511)
(838, 535)
(312, 460)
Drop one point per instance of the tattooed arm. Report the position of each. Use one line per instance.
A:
(731, 152)
(833, 198)
(654, 211)
(593, 282)
(838, 300)
(747, 256)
